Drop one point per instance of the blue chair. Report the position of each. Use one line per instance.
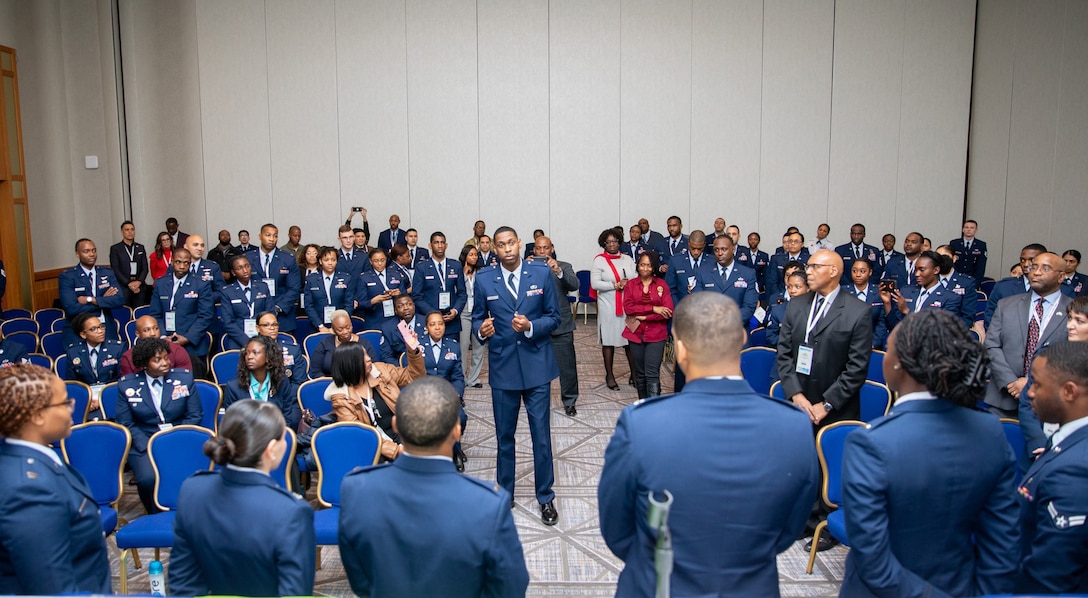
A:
(981, 299)
(45, 318)
(374, 337)
(58, 326)
(311, 395)
(53, 344)
(286, 337)
(15, 312)
(175, 455)
(130, 333)
(122, 314)
(60, 366)
(753, 323)
(357, 324)
(338, 448)
(584, 300)
(876, 400)
(141, 311)
(310, 343)
(757, 338)
(225, 366)
(987, 286)
(876, 366)
(303, 327)
(830, 441)
(1015, 436)
(282, 474)
(25, 338)
(211, 399)
(776, 390)
(81, 393)
(755, 365)
(19, 325)
(973, 334)
(108, 399)
(99, 451)
(41, 359)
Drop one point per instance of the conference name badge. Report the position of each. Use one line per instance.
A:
(804, 360)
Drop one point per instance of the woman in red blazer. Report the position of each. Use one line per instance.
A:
(160, 258)
(648, 305)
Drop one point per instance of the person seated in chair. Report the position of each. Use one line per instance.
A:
(342, 332)
(442, 356)
(262, 376)
(95, 361)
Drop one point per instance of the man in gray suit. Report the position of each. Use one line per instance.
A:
(1023, 324)
(563, 336)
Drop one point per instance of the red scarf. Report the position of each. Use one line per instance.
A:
(616, 273)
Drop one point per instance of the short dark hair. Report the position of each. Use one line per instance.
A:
(427, 411)
(378, 250)
(1069, 360)
(605, 234)
(793, 264)
(709, 325)
(126, 223)
(655, 261)
(863, 260)
(439, 233)
(674, 217)
(171, 220)
(1078, 306)
(1035, 247)
(858, 224)
(1072, 252)
(146, 349)
(76, 249)
(240, 256)
(933, 256)
(80, 320)
(347, 365)
(344, 228)
(242, 230)
(505, 229)
(358, 230)
(411, 230)
(970, 222)
(270, 225)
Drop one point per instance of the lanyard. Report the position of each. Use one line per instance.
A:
(814, 316)
(131, 252)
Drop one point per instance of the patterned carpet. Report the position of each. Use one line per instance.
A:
(571, 558)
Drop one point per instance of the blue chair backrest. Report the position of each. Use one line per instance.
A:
(1015, 436)
(45, 318)
(776, 390)
(19, 325)
(41, 359)
(830, 441)
(130, 332)
(987, 286)
(357, 324)
(98, 451)
(53, 344)
(374, 337)
(755, 366)
(876, 399)
(82, 395)
(757, 338)
(25, 338)
(583, 287)
(303, 327)
(141, 311)
(339, 448)
(876, 366)
(15, 312)
(211, 397)
(175, 455)
(122, 314)
(108, 399)
(280, 474)
(60, 366)
(225, 366)
(311, 395)
(310, 343)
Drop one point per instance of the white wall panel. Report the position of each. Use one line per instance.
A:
(234, 113)
(372, 105)
(865, 117)
(797, 48)
(937, 55)
(655, 111)
(513, 71)
(443, 118)
(585, 125)
(1071, 162)
(726, 101)
(302, 117)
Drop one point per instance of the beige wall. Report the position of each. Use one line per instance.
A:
(564, 115)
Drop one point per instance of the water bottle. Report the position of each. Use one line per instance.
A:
(157, 577)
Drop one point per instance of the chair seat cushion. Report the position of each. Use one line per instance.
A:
(149, 531)
(109, 519)
(836, 524)
(326, 526)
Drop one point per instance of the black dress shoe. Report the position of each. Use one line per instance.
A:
(826, 543)
(631, 381)
(459, 461)
(548, 514)
(478, 385)
(571, 410)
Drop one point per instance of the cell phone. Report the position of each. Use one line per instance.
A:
(887, 284)
(356, 209)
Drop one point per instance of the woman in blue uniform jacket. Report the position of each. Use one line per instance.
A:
(157, 398)
(294, 365)
(107, 353)
(376, 288)
(261, 376)
(237, 532)
(928, 490)
(446, 365)
(51, 539)
(341, 293)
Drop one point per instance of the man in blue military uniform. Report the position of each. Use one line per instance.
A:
(349, 259)
(514, 313)
(925, 293)
(86, 288)
(960, 284)
(128, 260)
(887, 253)
(724, 275)
(184, 307)
(1054, 494)
(204, 269)
(857, 249)
(392, 346)
(652, 239)
(970, 252)
(278, 270)
(1007, 287)
(677, 243)
(439, 285)
(680, 275)
(774, 440)
(474, 553)
(900, 268)
(793, 249)
(634, 246)
(392, 235)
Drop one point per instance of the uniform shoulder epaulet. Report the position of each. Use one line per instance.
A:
(880, 421)
(492, 487)
(205, 472)
(113, 343)
(648, 400)
(368, 468)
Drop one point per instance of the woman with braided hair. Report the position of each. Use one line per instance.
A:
(51, 539)
(929, 490)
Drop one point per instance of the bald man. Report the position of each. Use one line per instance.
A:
(204, 269)
(147, 327)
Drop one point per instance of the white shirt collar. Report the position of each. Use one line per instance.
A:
(924, 395)
(433, 457)
(1067, 429)
(37, 447)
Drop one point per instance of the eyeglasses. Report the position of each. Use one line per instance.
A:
(814, 266)
(70, 403)
(269, 325)
(96, 328)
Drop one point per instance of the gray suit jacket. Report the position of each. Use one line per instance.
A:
(564, 285)
(1007, 340)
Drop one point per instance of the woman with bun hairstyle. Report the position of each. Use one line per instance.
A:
(51, 538)
(237, 532)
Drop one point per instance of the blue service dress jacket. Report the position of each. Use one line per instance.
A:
(395, 521)
(283, 271)
(369, 285)
(448, 365)
(929, 504)
(681, 274)
(1054, 520)
(971, 262)
(107, 367)
(725, 538)
(428, 284)
(238, 533)
(194, 309)
(51, 539)
(11, 353)
(73, 284)
(876, 304)
(135, 411)
(938, 298)
(741, 286)
(285, 397)
(340, 296)
(392, 345)
(846, 252)
(234, 309)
